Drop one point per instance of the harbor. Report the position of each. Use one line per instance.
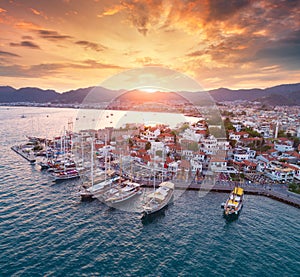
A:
(206, 186)
(57, 233)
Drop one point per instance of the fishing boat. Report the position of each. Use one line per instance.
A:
(234, 203)
(158, 199)
(124, 192)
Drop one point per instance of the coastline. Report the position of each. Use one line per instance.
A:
(266, 192)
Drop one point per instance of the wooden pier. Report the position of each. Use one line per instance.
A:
(29, 157)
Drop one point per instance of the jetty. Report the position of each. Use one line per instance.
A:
(267, 192)
(26, 155)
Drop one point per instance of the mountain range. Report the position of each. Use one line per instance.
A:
(278, 95)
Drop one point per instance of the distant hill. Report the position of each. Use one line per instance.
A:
(278, 95)
(11, 95)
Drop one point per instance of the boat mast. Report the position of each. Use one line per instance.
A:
(92, 162)
(82, 154)
(105, 162)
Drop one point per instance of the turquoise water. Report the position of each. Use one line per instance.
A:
(47, 231)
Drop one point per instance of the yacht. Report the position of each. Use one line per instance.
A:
(158, 199)
(123, 192)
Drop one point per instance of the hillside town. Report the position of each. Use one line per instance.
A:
(262, 145)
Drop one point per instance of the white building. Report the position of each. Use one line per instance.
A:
(284, 147)
(150, 134)
(218, 165)
(190, 134)
(196, 165)
(280, 173)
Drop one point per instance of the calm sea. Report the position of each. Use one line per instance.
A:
(47, 231)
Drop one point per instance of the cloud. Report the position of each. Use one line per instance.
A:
(93, 64)
(27, 25)
(112, 10)
(222, 9)
(91, 45)
(8, 54)
(34, 11)
(50, 69)
(142, 14)
(27, 37)
(2, 10)
(39, 13)
(34, 71)
(196, 53)
(52, 35)
(25, 43)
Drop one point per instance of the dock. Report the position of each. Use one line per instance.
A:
(28, 156)
(285, 198)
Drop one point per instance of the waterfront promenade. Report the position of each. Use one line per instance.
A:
(277, 192)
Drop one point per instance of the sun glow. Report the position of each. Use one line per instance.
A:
(148, 90)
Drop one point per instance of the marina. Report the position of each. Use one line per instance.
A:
(43, 219)
(97, 190)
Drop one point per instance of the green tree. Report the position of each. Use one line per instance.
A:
(281, 134)
(148, 145)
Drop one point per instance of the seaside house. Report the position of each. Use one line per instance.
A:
(280, 172)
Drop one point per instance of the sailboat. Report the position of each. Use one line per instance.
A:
(96, 187)
(158, 199)
(69, 167)
(123, 190)
(45, 164)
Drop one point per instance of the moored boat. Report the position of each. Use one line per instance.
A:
(66, 175)
(124, 192)
(234, 203)
(158, 199)
(96, 190)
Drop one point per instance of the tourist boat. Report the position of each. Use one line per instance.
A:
(234, 203)
(66, 175)
(123, 192)
(96, 187)
(158, 199)
(97, 190)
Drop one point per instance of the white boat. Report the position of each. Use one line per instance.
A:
(97, 190)
(234, 203)
(123, 192)
(158, 199)
(66, 175)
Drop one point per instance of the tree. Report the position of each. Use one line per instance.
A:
(148, 145)
(159, 153)
(232, 142)
(175, 136)
(130, 142)
(281, 134)
(252, 133)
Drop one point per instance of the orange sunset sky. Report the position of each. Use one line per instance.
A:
(67, 44)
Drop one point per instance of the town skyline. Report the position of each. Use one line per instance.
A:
(67, 44)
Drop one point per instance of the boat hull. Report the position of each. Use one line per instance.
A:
(122, 199)
(150, 212)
